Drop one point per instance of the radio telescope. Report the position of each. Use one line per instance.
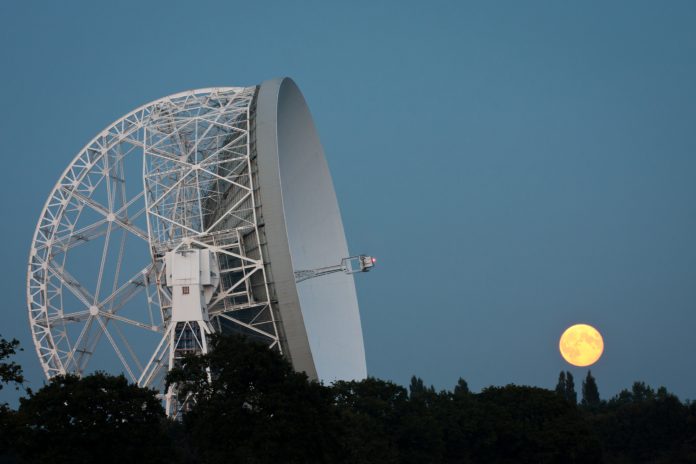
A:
(210, 210)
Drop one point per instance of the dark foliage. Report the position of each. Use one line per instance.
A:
(565, 387)
(462, 388)
(590, 393)
(10, 371)
(10, 374)
(642, 425)
(97, 418)
(570, 394)
(371, 412)
(256, 409)
(561, 385)
(529, 424)
(265, 411)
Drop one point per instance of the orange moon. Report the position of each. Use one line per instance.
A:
(581, 345)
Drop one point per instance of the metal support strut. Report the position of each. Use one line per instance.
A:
(350, 265)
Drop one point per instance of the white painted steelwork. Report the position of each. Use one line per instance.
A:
(350, 265)
(173, 223)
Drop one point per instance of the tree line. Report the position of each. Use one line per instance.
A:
(257, 409)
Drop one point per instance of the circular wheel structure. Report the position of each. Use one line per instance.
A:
(191, 215)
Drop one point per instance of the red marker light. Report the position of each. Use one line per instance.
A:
(374, 260)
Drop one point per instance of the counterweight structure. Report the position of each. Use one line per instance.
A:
(189, 216)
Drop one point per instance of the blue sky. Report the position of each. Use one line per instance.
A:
(516, 167)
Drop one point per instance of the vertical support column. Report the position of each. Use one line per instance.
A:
(190, 277)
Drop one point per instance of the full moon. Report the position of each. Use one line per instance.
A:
(581, 345)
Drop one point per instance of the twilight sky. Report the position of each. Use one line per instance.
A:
(517, 167)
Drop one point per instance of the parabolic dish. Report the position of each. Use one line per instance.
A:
(304, 231)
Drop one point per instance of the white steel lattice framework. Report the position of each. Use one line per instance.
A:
(194, 153)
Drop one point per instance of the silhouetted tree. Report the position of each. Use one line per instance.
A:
(462, 388)
(459, 417)
(417, 387)
(370, 410)
(10, 371)
(642, 392)
(528, 424)
(252, 407)
(419, 392)
(570, 394)
(98, 418)
(419, 434)
(561, 385)
(640, 425)
(269, 412)
(590, 393)
(565, 388)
